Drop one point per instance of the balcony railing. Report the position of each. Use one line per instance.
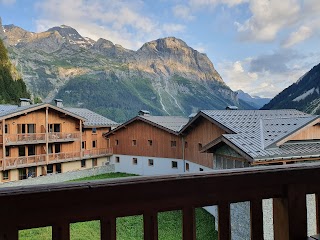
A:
(97, 152)
(58, 205)
(15, 162)
(30, 138)
(64, 156)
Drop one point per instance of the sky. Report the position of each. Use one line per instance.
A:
(258, 46)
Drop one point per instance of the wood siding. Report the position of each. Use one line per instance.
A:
(203, 133)
(309, 133)
(142, 133)
(88, 136)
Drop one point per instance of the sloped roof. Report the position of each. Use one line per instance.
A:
(174, 123)
(257, 132)
(92, 119)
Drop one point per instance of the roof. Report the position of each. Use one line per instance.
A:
(257, 133)
(92, 119)
(171, 124)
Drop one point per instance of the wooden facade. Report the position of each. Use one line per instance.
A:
(143, 139)
(41, 139)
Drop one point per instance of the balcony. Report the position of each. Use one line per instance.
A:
(36, 160)
(68, 203)
(36, 138)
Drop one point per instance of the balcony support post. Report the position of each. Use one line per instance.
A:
(189, 223)
(61, 231)
(150, 225)
(108, 228)
(256, 219)
(224, 229)
(47, 136)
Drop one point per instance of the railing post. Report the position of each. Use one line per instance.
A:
(108, 228)
(224, 230)
(61, 231)
(189, 224)
(256, 219)
(150, 225)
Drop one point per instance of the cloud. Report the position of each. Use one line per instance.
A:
(302, 34)
(259, 76)
(7, 2)
(122, 22)
(214, 3)
(183, 12)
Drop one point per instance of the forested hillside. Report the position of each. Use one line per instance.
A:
(10, 89)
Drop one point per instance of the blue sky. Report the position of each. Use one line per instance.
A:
(259, 46)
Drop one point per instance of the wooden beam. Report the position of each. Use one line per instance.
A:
(224, 226)
(189, 223)
(61, 231)
(150, 225)
(108, 228)
(256, 218)
(280, 219)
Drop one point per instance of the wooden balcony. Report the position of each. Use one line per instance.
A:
(108, 199)
(36, 160)
(36, 138)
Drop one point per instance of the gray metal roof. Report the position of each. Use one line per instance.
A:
(11, 109)
(174, 123)
(92, 119)
(256, 132)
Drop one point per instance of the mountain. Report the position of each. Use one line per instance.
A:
(255, 101)
(12, 86)
(303, 95)
(164, 76)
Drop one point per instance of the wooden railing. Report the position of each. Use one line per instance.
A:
(97, 152)
(61, 136)
(58, 205)
(14, 162)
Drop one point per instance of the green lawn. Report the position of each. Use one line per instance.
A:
(131, 228)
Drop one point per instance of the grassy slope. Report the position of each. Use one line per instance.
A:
(131, 228)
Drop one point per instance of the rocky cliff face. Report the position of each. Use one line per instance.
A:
(303, 95)
(165, 76)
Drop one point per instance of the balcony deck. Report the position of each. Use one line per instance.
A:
(106, 200)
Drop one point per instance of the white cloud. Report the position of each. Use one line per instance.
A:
(213, 3)
(7, 2)
(183, 12)
(122, 22)
(302, 34)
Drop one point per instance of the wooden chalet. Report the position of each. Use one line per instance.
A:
(40, 139)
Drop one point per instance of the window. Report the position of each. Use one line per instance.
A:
(31, 150)
(6, 128)
(185, 144)
(84, 145)
(58, 167)
(50, 168)
(150, 162)
(174, 164)
(117, 142)
(199, 146)
(150, 142)
(5, 175)
(57, 148)
(238, 164)
(22, 151)
(94, 162)
(31, 128)
(134, 161)
(22, 173)
(187, 167)
(201, 169)
(7, 151)
(32, 172)
(21, 128)
(173, 143)
(83, 163)
(54, 127)
(134, 142)
(117, 159)
(94, 143)
(50, 148)
(94, 130)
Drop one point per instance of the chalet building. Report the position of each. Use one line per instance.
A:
(39, 139)
(215, 139)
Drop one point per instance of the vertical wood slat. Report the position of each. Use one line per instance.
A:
(280, 219)
(108, 229)
(297, 206)
(318, 212)
(189, 223)
(61, 231)
(256, 219)
(224, 226)
(150, 225)
(9, 233)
